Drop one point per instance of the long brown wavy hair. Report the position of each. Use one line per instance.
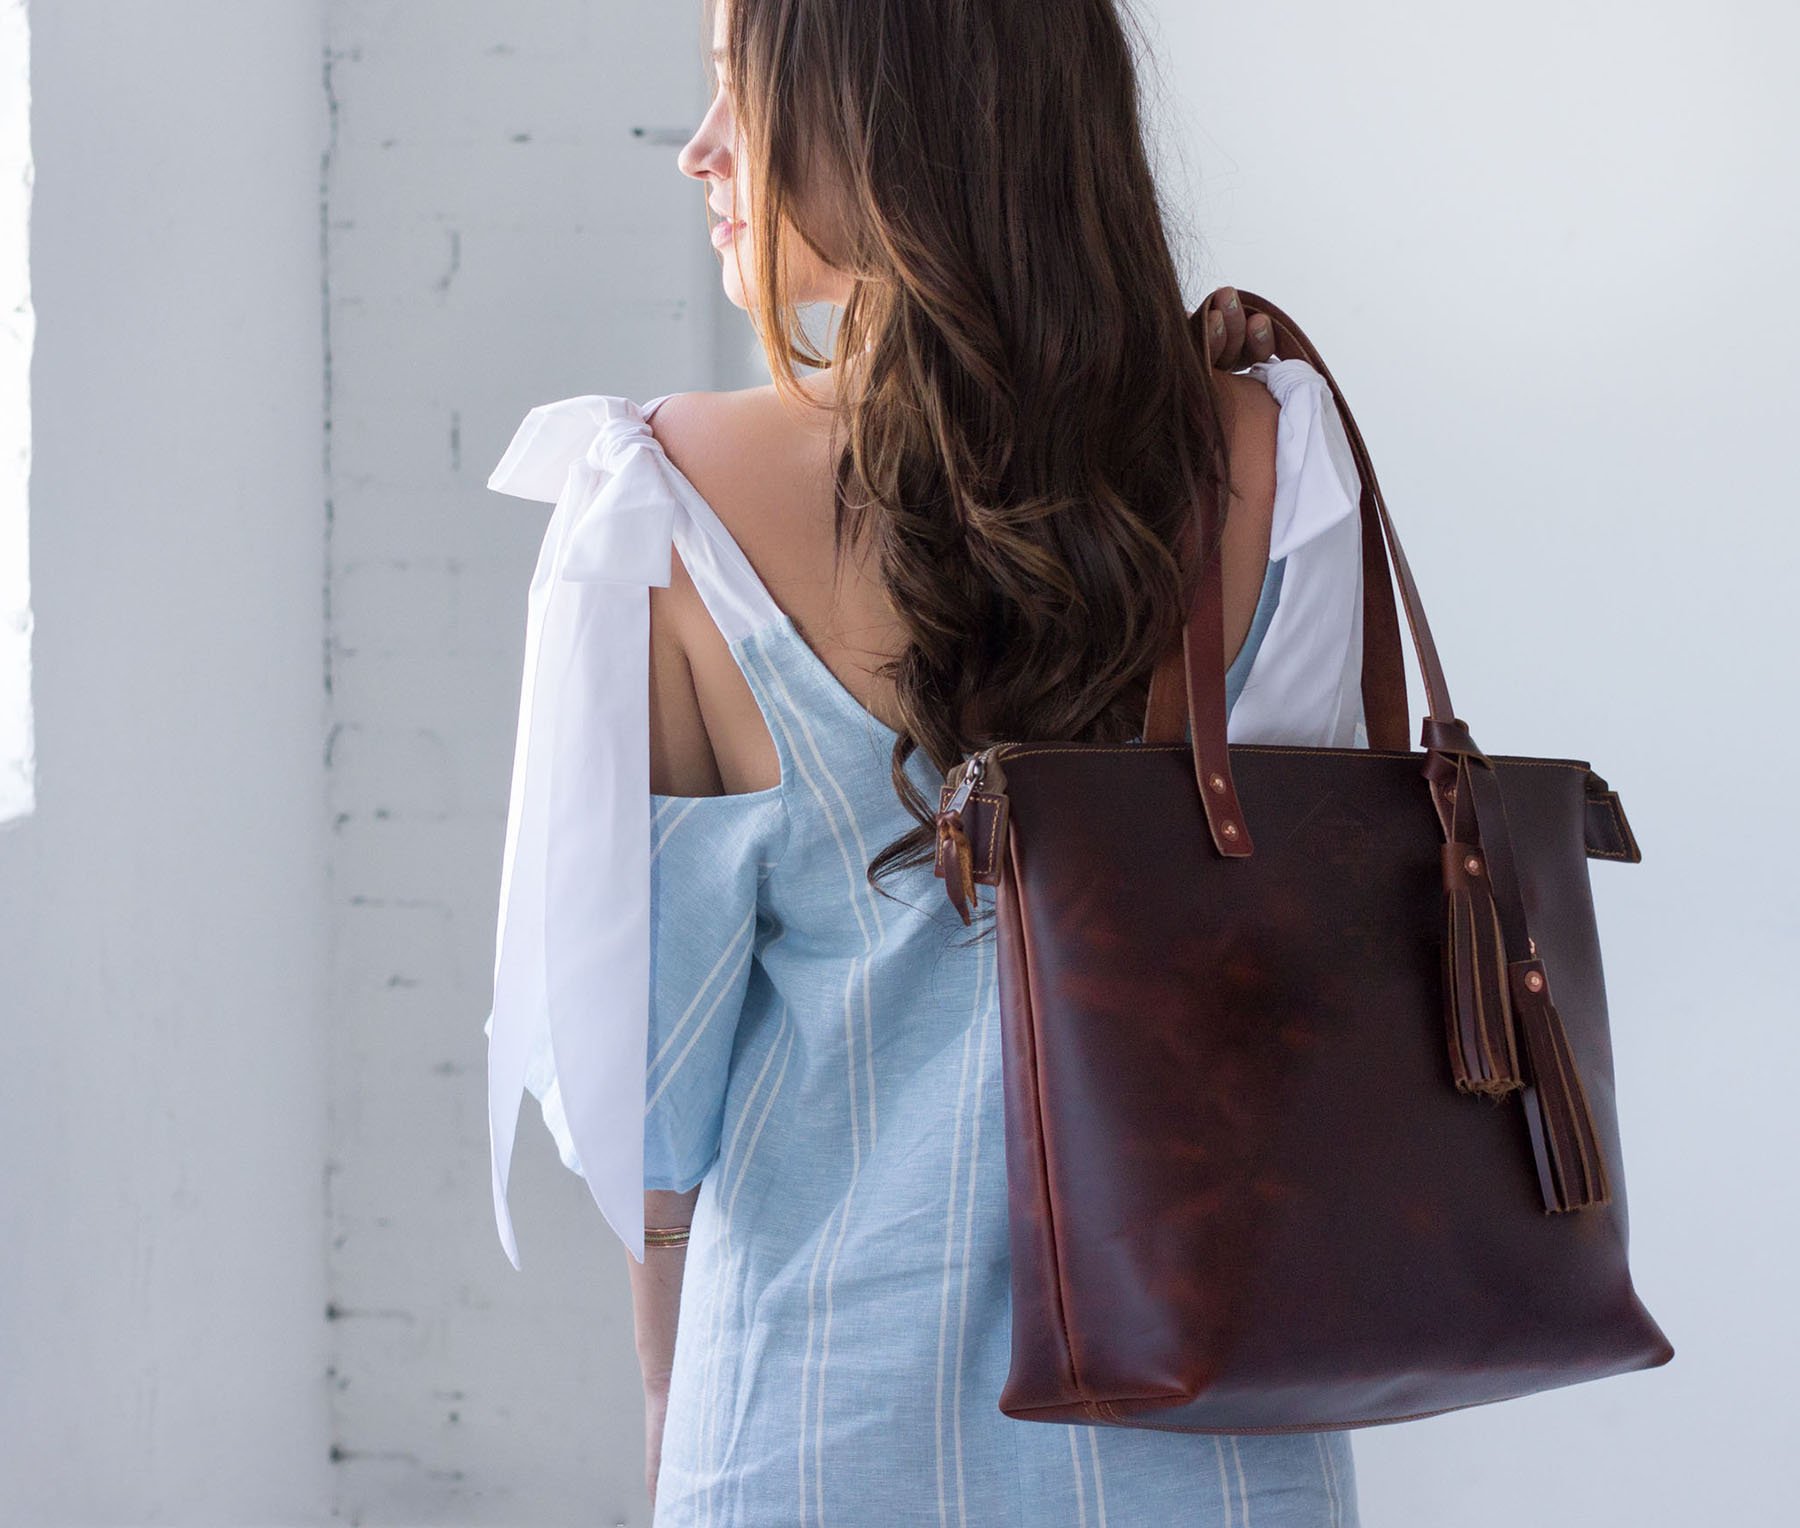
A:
(1026, 416)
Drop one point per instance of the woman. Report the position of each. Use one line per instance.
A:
(718, 902)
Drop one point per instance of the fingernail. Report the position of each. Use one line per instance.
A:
(1218, 324)
(1260, 330)
(1231, 302)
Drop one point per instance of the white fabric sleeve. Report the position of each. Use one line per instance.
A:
(571, 959)
(1305, 686)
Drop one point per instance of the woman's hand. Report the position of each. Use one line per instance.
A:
(1235, 336)
(656, 1406)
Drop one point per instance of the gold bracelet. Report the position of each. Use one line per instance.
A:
(665, 1236)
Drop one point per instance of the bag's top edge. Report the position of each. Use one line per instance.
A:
(1020, 750)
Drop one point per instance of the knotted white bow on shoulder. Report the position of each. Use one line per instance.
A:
(571, 959)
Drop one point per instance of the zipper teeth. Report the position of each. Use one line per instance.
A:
(977, 763)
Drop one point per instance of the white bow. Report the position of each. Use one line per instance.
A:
(571, 958)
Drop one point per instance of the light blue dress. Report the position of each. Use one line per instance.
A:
(824, 1060)
(826, 1065)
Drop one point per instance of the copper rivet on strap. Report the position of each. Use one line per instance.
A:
(1228, 828)
(1534, 980)
(1217, 782)
(1472, 865)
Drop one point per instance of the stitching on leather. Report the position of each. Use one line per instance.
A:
(1616, 812)
(994, 803)
(1348, 753)
(1279, 1427)
(1610, 799)
(994, 806)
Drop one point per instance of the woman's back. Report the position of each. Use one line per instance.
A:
(768, 476)
(823, 1061)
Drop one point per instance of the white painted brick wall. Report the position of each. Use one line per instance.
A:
(497, 237)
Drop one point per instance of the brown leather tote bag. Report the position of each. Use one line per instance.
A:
(1308, 1078)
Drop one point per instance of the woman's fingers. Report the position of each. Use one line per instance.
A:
(1212, 323)
(1234, 336)
(1225, 329)
(1259, 340)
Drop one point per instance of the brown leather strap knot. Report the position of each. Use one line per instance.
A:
(1448, 735)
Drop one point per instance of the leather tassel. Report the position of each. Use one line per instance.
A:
(1571, 1169)
(960, 882)
(1478, 1019)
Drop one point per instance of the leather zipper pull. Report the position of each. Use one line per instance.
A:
(953, 847)
(971, 828)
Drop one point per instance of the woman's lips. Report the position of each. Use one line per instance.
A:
(725, 231)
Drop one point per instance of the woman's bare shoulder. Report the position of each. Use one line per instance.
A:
(772, 491)
(1246, 403)
(748, 423)
(763, 467)
(1251, 417)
